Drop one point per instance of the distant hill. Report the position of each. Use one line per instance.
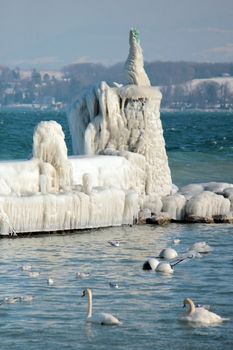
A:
(160, 73)
(183, 84)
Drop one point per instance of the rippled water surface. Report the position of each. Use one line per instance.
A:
(148, 304)
(200, 148)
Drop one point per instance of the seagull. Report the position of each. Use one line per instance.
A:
(10, 300)
(34, 274)
(50, 281)
(26, 267)
(113, 285)
(114, 243)
(82, 274)
(26, 298)
(176, 241)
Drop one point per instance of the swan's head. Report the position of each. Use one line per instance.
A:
(191, 306)
(187, 301)
(86, 291)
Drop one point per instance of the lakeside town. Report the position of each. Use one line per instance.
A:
(184, 85)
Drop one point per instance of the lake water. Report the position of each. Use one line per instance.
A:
(148, 304)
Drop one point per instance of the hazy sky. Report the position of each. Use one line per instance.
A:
(53, 33)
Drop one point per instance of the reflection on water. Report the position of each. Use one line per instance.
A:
(149, 304)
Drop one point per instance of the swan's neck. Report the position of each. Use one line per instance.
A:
(89, 310)
(192, 307)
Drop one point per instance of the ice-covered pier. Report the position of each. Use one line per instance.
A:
(119, 173)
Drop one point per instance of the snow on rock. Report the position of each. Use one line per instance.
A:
(207, 204)
(191, 190)
(153, 203)
(174, 205)
(217, 187)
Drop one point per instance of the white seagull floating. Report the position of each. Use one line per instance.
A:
(114, 243)
(201, 247)
(34, 274)
(176, 241)
(200, 314)
(50, 281)
(113, 285)
(10, 300)
(26, 267)
(100, 318)
(82, 274)
(26, 298)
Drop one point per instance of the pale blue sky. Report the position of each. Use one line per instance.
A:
(53, 33)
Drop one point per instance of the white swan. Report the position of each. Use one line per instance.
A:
(201, 247)
(150, 264)
(101, 318)
(200, 314)
(168, 253)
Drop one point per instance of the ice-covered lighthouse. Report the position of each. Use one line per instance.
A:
(119, 161)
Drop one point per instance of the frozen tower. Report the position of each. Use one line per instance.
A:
(125, 121)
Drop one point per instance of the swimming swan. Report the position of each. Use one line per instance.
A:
(200, 314)
(101, 318)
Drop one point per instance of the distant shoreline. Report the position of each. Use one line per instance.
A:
(162, 110)
(45, 108)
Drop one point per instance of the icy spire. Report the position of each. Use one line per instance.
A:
(134, 66)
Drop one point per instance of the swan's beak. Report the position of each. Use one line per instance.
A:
(184, 305)
(84, 293)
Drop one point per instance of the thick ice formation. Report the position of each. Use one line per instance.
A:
(122, 173)
(50, 148)
(134, 65)
(204, 201)
(51, 192)
(124, 122)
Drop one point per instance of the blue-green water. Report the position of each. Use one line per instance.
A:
(149, 305)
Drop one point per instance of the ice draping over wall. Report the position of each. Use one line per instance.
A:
(50, 148)
(124, 121)
(52, 192)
